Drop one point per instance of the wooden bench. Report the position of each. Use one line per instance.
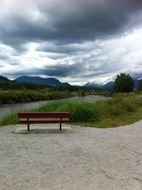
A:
(43, 117)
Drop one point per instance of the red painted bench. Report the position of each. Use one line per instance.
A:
(43, 117)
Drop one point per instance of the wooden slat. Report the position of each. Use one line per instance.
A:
(43, 120)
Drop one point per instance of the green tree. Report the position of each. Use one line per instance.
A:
(123, 83)
(140, 85)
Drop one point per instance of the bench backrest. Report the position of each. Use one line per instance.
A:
(44, 115)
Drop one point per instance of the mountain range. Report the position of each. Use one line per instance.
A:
(42, 81)
(56, 83)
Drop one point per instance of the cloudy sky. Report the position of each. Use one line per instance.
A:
(75, 41)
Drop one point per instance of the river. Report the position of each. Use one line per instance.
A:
(14, 108)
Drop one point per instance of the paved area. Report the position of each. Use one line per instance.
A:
(74, 159)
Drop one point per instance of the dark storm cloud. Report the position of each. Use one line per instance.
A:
(58, 71)
(66, 49)
(63, 70)
(22, 72)
(69, 21)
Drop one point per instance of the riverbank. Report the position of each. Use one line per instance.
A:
(78, 159)
(25, 96)
(120, 110)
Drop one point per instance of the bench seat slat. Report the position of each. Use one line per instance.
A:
(43, 120)
(43, 114)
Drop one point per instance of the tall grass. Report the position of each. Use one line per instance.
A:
(9, 119)
(80, 111)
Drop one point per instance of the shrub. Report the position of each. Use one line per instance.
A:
(123, 83)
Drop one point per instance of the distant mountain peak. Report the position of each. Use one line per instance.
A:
(93, 85)
(108, 85)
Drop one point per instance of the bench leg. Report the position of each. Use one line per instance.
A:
(60, 126)
(28, 127)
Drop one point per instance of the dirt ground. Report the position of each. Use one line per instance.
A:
(74, 159)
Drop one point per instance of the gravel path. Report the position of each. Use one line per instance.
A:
(77, 159)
